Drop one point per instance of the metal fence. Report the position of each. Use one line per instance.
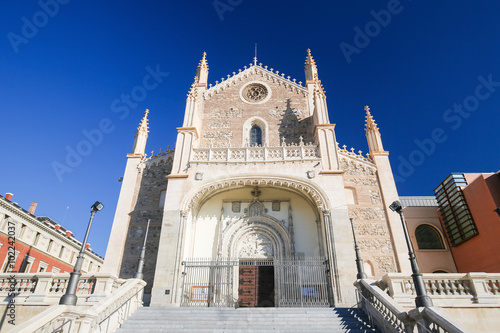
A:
(298, 282)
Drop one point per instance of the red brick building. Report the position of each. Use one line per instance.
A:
(30, 244)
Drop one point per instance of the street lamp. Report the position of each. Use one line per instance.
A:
(140, 265)
(422, 300)
(359, 262)
(69, 298)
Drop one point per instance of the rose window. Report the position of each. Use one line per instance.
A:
(255, 92)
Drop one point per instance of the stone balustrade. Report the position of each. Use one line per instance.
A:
(104, 303)
(256, 154)
(389, 316)
(446, 289)
(47, 288)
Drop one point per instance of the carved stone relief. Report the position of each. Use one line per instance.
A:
(375, 245)
(280, 113)
(255, 246)
(371, 229)
(363, 181)
(367, 213)
(218, 135)
(353, 168)
(218, 123)
(256, 209)
(385, 264)
(219, 145)
(232, 113)
(236, 205)
(375, 197)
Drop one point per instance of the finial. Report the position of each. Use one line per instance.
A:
(255, 58)
(370, 122)
(203, 62)
(309, 59)
(143, 126)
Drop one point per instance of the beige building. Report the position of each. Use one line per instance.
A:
(426, 233)
(37, 244)
(253, 206)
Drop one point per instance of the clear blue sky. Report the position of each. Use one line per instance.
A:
(422, 67)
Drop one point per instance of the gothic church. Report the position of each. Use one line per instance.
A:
(253, 206)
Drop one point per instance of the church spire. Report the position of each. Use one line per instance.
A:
(372, 133)
(317, 101)
(141, 136)
(202, 72)
(310, 67)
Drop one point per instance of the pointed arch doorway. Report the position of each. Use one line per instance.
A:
(254, 263)
(256, 275)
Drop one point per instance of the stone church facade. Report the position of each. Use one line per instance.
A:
(252, 207)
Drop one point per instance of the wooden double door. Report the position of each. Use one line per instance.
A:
(256, 286)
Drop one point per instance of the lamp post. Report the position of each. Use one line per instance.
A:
(422, 300)
(359, 262)
(140, 265)
(69, 298)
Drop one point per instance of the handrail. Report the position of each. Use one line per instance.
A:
(368, 313)
(386, 311)
(439, 321)
(391, 317)
(118, 308)
(83, 316)
(58, 329)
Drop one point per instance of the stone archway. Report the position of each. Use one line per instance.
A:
(311, 192)
(255, 237)
(242, 228)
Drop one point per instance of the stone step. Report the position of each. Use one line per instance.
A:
(233, 320)
(226, 330)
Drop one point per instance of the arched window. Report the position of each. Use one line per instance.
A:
(255, 136)
(428, 238)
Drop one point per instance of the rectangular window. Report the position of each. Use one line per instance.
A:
(21, 231)
(26, 265)
(460, 225)
(61, 252)
(37, 237)
(42, 266)
(49, 247)
(9, 264)
(4, 222)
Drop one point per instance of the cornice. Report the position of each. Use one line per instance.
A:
(73, 242)
(268, 74)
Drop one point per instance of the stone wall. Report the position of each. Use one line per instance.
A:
(285, 112)
(148, 206)
(369, 218)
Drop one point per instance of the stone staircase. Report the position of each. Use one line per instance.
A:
(156, 319)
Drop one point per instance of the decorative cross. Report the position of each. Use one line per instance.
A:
(256, 192)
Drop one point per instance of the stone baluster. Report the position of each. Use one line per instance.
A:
(42, 289)
(478, 282)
